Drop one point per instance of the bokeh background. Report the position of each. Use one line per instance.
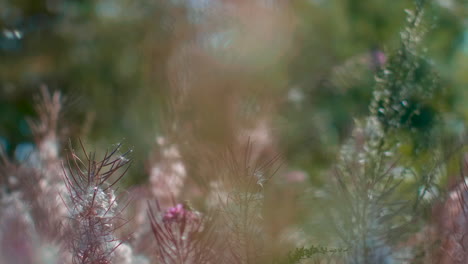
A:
(121, 63)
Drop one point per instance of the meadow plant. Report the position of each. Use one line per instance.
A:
(184, 236)
(93, 206)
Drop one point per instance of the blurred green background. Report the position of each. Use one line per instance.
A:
(110, 59)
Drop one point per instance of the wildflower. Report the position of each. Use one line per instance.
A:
(183, 236)
(93, 206)
(179, 214)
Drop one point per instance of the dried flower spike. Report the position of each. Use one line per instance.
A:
(92, 205)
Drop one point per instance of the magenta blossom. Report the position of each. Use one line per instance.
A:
(179, 213)
(183, 236)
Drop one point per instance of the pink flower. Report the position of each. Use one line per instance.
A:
(179, 213)
(183, 236)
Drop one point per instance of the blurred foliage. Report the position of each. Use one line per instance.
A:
(110, 58)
